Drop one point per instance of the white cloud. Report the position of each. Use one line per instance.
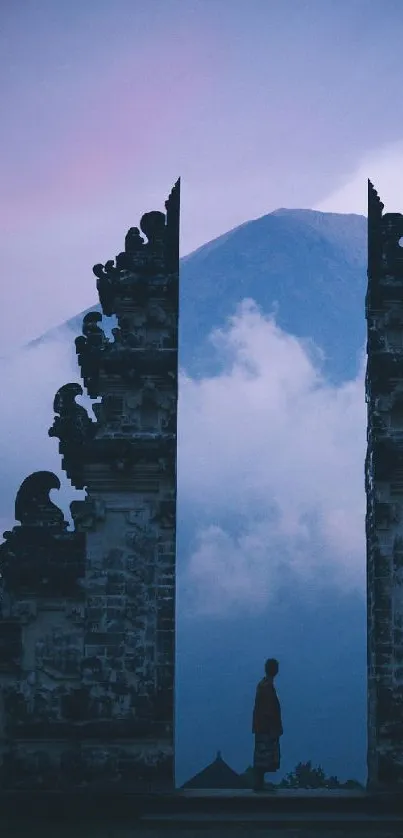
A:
(30, 380)
(384, 167)
(271, 463)
(271, 443)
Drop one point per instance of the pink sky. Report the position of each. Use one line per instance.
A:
(256, 104)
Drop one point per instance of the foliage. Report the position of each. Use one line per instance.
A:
(305, 776)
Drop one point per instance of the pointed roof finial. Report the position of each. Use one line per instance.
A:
(219, 755)
(375, 204)
(174, 195)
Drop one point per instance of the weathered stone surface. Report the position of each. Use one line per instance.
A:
(87, 635)
(384, 488)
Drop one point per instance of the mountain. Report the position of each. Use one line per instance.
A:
(309, 267)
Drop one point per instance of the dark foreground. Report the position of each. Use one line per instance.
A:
(296, 814)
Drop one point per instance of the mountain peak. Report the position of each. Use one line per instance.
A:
(309, 265)
(311, 213)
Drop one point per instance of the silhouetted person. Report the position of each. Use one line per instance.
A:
(267, 726)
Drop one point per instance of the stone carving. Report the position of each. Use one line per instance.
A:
(87, 513)
(89, 348)
(59, 652)
(132, 258)
(72, 425)
(33, 507)
(97, 604)
(123, 335)
(125, 459)
(94, 335)
(40, 556)
(107, 277)
(172, 206)
(152, 225)
(133, 241)
(375, 205)
(166, 513)
(157, 316)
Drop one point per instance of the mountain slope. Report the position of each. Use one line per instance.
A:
(309, 266)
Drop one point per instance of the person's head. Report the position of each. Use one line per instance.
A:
(271, 668)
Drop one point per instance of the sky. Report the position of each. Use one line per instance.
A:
(256, 105)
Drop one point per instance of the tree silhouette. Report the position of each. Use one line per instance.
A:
(305, 776)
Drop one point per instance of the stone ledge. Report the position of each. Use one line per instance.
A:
(190, 807)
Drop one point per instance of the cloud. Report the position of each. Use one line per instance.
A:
(270, 464)
(30, 380)
(275, 452)
(384, 167)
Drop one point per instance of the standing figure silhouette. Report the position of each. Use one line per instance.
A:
(267, 726)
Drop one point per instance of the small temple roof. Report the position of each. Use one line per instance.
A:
(217, 775)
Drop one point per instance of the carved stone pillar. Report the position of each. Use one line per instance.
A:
(87, 691)
(41, 641)
(384, 488)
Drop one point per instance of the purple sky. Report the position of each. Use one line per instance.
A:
(255, 103)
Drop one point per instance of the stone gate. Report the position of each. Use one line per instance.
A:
(384, 489)
(87, 629)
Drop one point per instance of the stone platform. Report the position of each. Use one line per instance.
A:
(212, 813)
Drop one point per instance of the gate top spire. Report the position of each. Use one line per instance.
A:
(375, 205)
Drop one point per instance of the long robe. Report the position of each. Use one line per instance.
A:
(267, 727)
